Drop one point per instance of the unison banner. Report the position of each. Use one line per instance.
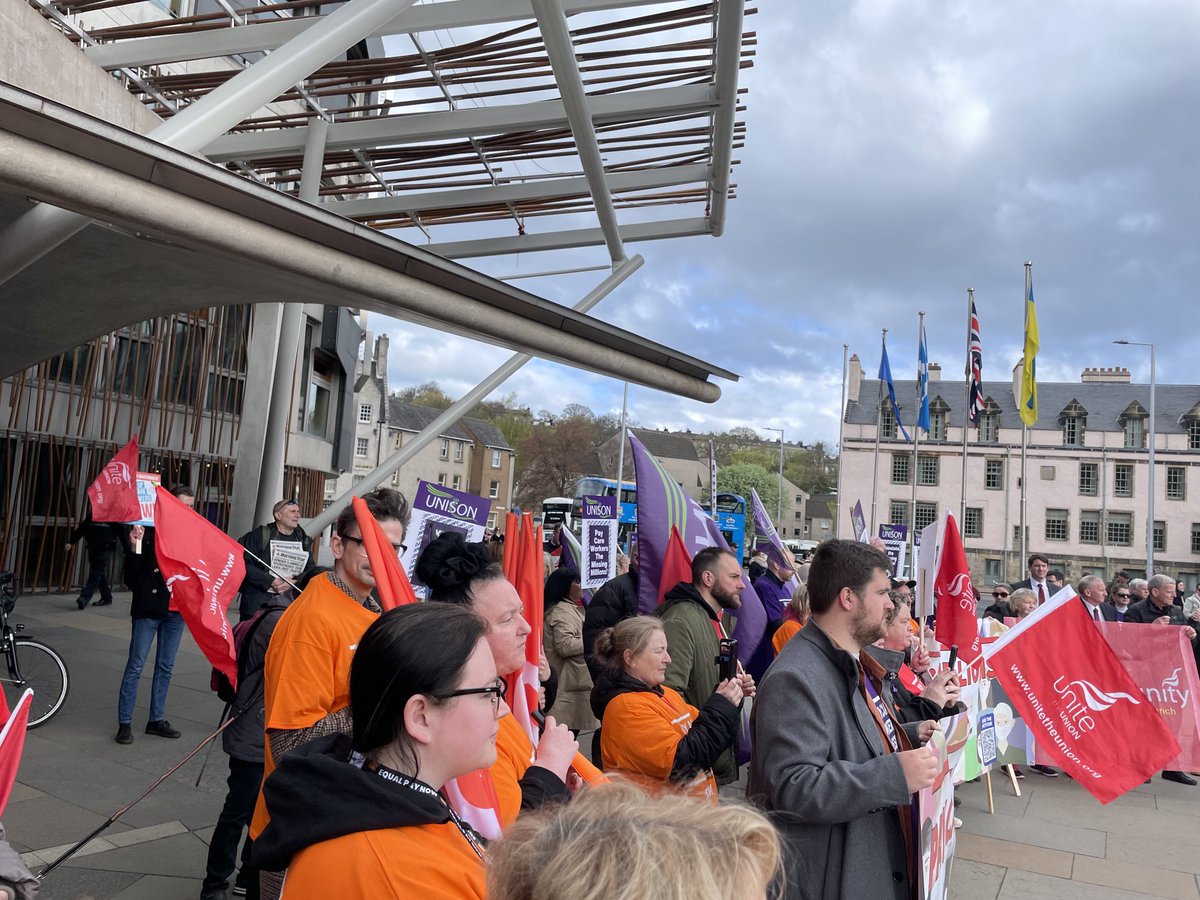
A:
(895, 543)
(435, 510)
(599, 543)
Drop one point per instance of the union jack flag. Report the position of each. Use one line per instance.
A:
(975, 369)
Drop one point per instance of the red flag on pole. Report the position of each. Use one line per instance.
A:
(114, 492)
(12, 743)
(1084, 710)
(512, 547)
(203, 568)
(677, 565)
(391, 582)
(956, 621)
(523, 557)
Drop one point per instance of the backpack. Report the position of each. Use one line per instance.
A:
(218, 681)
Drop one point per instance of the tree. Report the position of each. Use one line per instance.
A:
(555, 455)
(427, 394)
(741, 477)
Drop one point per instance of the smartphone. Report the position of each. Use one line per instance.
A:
(953, 655)
(727, 659)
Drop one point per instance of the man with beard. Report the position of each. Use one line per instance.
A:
(691, 615)
(833, 768)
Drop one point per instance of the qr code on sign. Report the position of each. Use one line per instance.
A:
(987, 745)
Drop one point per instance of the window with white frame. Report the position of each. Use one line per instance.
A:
(444, 449)
(1089, 526)
(1120, 529)
(1057, 527)
(993, 474)
(1089, 479)
(494, 490)
(973, 522)
(442, 478)
(495, 459)
(457, 483)
(458, 451)
(1176, 483)
(361, 446)
(364, 414)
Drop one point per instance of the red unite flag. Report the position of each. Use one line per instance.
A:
(1085, 711)
(956, 621)
(12, 743)
(114, 492)
(203, 568)
(677, 565)
(391, 582)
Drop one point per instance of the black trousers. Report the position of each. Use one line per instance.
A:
(98, 558)
(244, 780)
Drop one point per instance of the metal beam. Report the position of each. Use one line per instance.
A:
(215, 113)
(150, 51)
(564, 240)
(461, 407)
(730, 15)
(379, 131)
(544, 189)
(556, 35)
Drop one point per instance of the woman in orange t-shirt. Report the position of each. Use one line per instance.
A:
(649, 730)
(362, 817)
(795, 617)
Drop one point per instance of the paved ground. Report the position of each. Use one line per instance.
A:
(1053, 841)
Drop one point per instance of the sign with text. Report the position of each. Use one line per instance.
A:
(936, 816)
(599, 544)
(437, 509)
(895, 541)
(146, 483)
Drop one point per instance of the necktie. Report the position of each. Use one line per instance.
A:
(1041, 593)
(1096, 613)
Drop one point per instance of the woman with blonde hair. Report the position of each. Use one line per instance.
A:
(613, 841)
(648, 729)
(795, 617)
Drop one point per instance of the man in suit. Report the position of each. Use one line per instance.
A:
(1043, 589)
(1092, 593)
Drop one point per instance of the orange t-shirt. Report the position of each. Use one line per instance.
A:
(307, 671)
(641, 732)
(514, 754)
(787, 630)
(418, 861)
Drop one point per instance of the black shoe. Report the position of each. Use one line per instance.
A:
(1179, 778)
(102, 602)
(1045, 770)
(1018, 773)
(124, 733)
(81, 602)
(162, 728)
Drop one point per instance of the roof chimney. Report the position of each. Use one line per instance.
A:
(854, 379)
(1113, 375)
(935, 371)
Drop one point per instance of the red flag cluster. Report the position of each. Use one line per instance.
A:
(114, 493)
(391, 582)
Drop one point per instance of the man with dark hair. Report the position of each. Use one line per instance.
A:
(1056, 577)
(306, 677)
(691, 616)
(283, 546)
(155, 620)
(831, 764)
(1038, 581)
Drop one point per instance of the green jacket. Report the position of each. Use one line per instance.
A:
(692, 642)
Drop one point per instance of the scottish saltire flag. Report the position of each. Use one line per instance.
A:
(923, 382)
(661, 505)
(974, 368)
(1029, 402)
(885, 375)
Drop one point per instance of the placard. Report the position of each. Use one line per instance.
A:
(437, 509)
(599, 544)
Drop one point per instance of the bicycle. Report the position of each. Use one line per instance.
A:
(30, 663)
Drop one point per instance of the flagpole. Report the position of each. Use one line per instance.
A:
(1025, 427)
(912, 531)
(962, 505)
(842, 430)
(878, 428)
(621, 448)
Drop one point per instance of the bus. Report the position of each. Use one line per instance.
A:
(731, 522)
(599, 486)
(555, 511)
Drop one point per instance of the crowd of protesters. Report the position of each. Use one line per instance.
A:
(356, 733)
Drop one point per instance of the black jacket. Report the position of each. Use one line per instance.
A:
(257, 541)
(907, 706)
(98, 534)
(613, 601)
(151, 598)
(1145, 612)
(711, 734)
(316, 795)
(243, 739)
(1000, 610)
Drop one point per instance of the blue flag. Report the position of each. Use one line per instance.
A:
(923, 383)
(885, 375)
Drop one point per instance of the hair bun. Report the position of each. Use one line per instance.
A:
(449, 562)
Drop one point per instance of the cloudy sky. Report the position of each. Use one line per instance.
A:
(897, 154)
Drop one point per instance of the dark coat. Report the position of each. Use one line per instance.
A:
(243, 739)
(820, 771)
(1144, 612)
(1051, 589)
(151, 598)
(1108, 612)
(1000, 610)
(257, 541)
(613, 601)
(907, 706)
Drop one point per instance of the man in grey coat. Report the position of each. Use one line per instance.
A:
(831, 766)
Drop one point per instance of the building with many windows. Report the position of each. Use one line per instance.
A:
(1086, 467)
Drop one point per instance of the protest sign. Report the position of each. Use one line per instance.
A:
(436, 510)
(895, 542)
(599, 544)
(859, 521)
(147, 482)
(935, 807)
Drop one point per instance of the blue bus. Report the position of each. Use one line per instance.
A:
(731, 521)
(599, 486)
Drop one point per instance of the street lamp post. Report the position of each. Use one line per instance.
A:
(1150, 462)
(779, 504)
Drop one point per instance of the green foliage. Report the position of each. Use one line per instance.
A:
(741, 477)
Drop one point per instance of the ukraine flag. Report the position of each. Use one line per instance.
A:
(1029, 403)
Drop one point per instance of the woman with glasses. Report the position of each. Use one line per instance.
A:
(648, 729)
(999, 610)
(1120, 597)
(463, 574)
(361, 816)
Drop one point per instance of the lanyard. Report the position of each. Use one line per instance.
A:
(881, 708)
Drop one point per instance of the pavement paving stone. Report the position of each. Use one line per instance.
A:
(1007, 853)
(158, 887)
(1144, 879)
(1180, 805)
(1133, 848)
(1020, 885)
(971, 880)
(1037, 833)
(88, 884)
(175, 855)
(1150, 823)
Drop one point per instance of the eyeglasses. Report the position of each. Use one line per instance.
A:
(998, 595)
(400, 549)
(498, 691)
(1124, 596)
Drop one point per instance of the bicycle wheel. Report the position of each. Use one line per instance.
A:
(41, 668)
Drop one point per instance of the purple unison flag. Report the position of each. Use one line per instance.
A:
(764, 528)
(661, 504)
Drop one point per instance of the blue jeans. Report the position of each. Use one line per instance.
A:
(169, 632)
